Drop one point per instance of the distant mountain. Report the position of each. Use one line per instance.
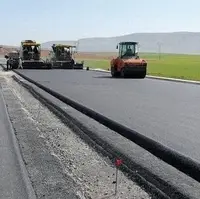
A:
(177, 42)
(47, 45)
(6, 46)
(6, 49)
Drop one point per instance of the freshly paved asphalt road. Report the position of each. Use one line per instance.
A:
(165, 111)
(12, 184)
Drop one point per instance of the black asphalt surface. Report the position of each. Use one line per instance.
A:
(12, 183)
(162, 110)
(165, 111)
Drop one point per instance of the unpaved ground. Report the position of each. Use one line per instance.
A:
(59, 163)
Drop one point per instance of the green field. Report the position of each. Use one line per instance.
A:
(169, 65)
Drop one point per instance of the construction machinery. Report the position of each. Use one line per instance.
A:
(12, 60)
(62, 56)
(30, 54)
(128, 63)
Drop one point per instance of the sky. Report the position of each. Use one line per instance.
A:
(49, 20)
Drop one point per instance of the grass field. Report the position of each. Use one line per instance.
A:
(169, 65)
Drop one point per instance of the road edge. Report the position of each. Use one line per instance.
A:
(155, 77)
(27, 182)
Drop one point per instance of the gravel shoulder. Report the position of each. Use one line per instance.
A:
(59, 163)
(14, 182)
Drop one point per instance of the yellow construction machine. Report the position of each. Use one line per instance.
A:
(62, 56)
(30, 54)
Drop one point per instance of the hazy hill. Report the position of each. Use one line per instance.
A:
(6, 49)
(177, 42)
(47, 45)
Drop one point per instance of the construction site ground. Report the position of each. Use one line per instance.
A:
(59, 164)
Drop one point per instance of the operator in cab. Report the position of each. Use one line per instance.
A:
(128, 52)
(25, 52)
(67, 51)
(35, 50)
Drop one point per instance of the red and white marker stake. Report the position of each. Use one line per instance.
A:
(118, 163)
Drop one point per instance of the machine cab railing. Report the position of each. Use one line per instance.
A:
(30, 50)
(63, 52)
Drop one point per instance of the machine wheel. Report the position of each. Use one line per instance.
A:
(142, 75)
(49, 66)
(15, 66)
(122, 73)
(113, 72)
